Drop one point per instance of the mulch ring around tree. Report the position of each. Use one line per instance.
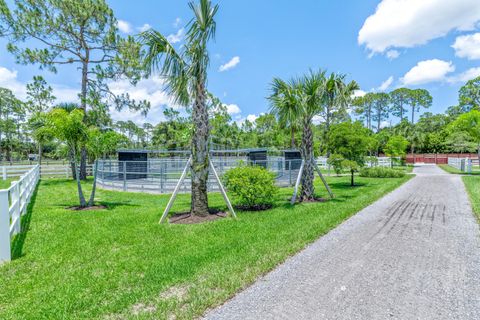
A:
(315, 200)
(187, 218)
(78, 208)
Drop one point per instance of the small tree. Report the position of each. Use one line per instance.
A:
(396, 147)
(69, 128)
(352, 141)
(100, 144)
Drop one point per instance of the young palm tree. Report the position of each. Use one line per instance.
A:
(337, 97)
(284, 104)
(185, 73)
(301, 99)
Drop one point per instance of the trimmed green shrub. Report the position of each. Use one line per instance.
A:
(381, 172)
(253, 187)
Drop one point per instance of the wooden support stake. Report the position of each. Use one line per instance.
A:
(175, 192)
(222, 190)
(323, 179)
(297, 184)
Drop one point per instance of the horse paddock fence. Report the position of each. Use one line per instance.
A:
(13, 205)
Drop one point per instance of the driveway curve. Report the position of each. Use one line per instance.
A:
(414, 254)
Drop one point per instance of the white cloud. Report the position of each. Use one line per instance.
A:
(252, 117)
(408, 23)
(392, 54)
(467, 46)
(386, 84)
(177, 22)
(233, 109)
(144, 28)
(230, 64)
(359, 93)
(124, 26)
(465, 76)
(8, 80)
(147, 89)
(176, 37)
(428, 71)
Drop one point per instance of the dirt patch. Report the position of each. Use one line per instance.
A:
(77, 208)
(140, 308)
(187, 218)
(259, 207)
(316, 200)
(177, 292)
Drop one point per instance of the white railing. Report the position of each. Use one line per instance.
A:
(13, 204)
(52, 170)
(462, 164)
(380, 162)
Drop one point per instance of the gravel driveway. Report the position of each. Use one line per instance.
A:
(414, 254)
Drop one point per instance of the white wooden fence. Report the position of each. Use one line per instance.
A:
(13, 204)
(381, 162)
(51, 170)
(462, 164)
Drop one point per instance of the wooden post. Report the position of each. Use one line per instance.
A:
(299, 177)
(175, 192)
(5, 251)
(323, 179)
(4, 172)
(222, 190)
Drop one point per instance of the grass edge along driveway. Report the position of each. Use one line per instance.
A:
(472, 184)
(120, 263)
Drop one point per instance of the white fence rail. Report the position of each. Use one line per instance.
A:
(13, 204)
(51, 170)
(462, 164)
(380, 162)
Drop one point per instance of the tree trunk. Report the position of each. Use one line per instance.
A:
(81, 197)
(327, 130)
(39, 153)
(91, 201)
(352, 179)
(292, 137)
(83, 105)
(413, 115)
(307, 190)
(200, 159)
(72, 165)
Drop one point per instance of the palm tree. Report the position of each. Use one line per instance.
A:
(284, 104)
(304, 97)
(337, 97)
(185, 73)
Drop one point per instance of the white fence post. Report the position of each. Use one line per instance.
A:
(5, 253)
(4, 173)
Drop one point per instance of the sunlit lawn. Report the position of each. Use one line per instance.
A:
(450, 169)
(4, 184)
(473, 188)
(120, 263)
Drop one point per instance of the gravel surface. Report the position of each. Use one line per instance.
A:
(414, 254)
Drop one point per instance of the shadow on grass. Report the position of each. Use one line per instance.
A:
(19, 240)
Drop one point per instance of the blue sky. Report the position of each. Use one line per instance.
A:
(390, 42)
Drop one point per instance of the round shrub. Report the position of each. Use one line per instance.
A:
(381, 172)
(253, 187)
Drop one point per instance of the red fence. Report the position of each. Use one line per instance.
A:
(437, 158)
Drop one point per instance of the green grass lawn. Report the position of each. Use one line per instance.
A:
(4, 184)
(449, 169)
(473, 188)
(120, 263)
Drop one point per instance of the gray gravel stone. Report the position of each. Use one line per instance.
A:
(414, 254)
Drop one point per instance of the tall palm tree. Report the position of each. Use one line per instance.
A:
(338, 95)
(185, 73)
(284, 104)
